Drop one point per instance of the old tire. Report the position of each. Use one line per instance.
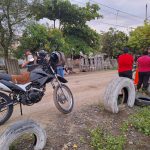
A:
(113, 90)
(18, 129)
(141, 100)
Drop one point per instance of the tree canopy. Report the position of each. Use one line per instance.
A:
(64, 11)
(139, 39)
(113, 41)
(13, 13)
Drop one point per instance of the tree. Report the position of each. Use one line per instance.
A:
(139, 39)
(37, 36)
(13, 13)
(82, 38)
(45, 9)
(113, 41)
(65, 12)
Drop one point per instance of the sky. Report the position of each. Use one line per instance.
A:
(135, 9)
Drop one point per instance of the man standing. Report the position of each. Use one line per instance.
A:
(61, 64)
(144, 71)
(29, 59)
(125, 64)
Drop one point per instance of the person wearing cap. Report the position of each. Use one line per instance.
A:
(125, 64)
(29, 59)
(144, 71)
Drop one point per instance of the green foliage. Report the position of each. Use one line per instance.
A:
(113, 42)
(37, 37)
(84, 33)
(141, 120)
(34, 37)
(140, 38)
(76, 36)
(102, 141)
(13, 15)
(64, 11)
(75, 45)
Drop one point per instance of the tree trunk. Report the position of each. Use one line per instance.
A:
(54, 24)
(59, 25)
(6, 53)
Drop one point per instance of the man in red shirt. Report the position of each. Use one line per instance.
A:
(144, 70)
(125, 64)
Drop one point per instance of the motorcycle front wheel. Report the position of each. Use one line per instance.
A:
(5, 110)
(63, 98)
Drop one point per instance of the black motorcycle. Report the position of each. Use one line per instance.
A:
(33, 92)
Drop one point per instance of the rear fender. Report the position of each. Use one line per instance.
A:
(4, 88)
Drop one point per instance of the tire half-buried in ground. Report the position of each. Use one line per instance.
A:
(142, 100)
(119, 92)
(20, 128)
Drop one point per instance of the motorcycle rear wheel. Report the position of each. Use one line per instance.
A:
(7, 110)
(63, 95)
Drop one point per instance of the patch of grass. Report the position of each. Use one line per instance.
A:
(102, 141)
(124, 127)
(141, 120)
(82, 139)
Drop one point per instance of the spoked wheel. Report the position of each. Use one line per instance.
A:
(63, 99)
(122, 98)
(5, 110)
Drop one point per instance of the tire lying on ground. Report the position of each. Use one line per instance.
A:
(112, 93)
(20, 128)
(141, 100)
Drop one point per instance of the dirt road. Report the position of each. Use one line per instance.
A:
(87, 89)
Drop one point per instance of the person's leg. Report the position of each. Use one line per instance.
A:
(127, 74)
(60, 71)
(145, 80)
(140, 80)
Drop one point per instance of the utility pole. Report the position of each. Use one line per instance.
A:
(146, 15)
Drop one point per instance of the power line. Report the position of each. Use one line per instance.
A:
(116, 14)
(117, 10)
(116, 25)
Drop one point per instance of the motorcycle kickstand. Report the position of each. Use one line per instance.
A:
(21, 109)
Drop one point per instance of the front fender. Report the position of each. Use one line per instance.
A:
(61, 79)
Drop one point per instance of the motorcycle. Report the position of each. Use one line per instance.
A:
(33, 92)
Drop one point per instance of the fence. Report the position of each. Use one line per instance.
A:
(12, 66)
(96, 63)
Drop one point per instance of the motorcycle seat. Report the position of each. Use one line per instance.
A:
(23, 78)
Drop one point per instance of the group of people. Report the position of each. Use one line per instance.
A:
(40, 58)
(125, 65)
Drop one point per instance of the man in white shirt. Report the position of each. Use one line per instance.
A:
(29, 59)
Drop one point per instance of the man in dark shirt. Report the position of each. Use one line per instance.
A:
(125, 64)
